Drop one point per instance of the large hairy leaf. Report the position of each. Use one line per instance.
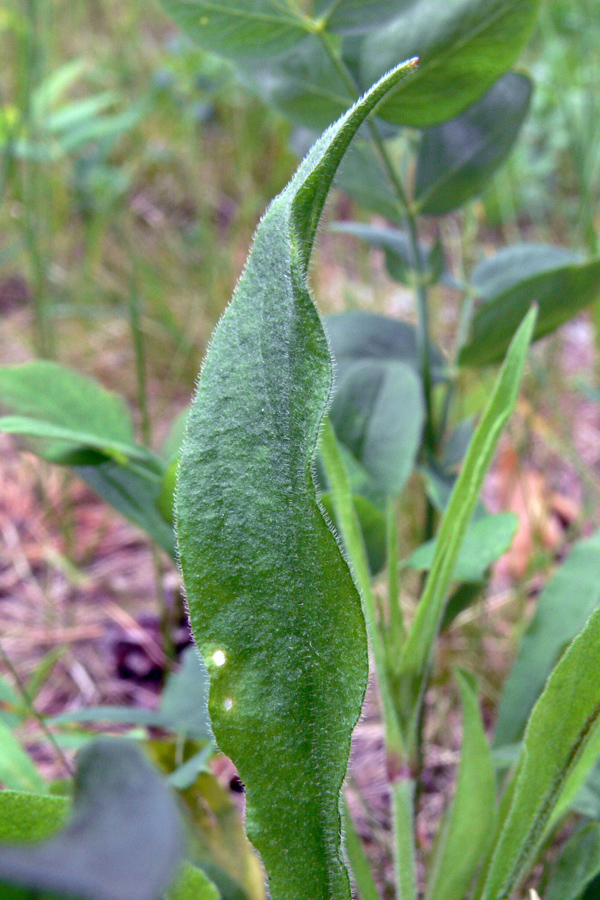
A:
(272, 602)
(562, 609)
(26, 817)
(559, 281)
(463, 47)
(563, 732)
(123, 840)
(456, 159)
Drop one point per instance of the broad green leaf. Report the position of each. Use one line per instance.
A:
(562, 609)
(356, 16)
(192, 884)
(416, 652)
(463, 47)
(182, 709)
(124, 838)
(303, 84)
(560, 282)
(456, 159)
(467, 829)
(240, 28)
(17, 770)
(26, 817)
(272, 602)
(485, 540)
(362, 176)
(377, 413)
(52, 394)
(562, 729)
(578, 864)
(135, 494)
(357, 336)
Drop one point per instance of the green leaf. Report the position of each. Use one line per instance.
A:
(378, 413)
(51, 394)
(562, 730)
(123, 840)
(456, 159)
(362, 176)
(559, 281)
(267, 585)
(578, 864)
(399, 254)
(17, 770)
(240, 28)
(562, 610)
(357, 336)
(486, 539)
(192, 884)
(356, 16)
(416, 652)
(135, 494)
(372, 526)
(463, 842)
(361, 869)
(303, 84)
(463, 47)
(217, 841)
(75, 440)
(26, 817)
(182, 709)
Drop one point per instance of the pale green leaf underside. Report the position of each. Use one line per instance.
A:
(272, 602)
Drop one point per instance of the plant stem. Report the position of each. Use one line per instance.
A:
(396, 620)
(350, 530)
(30, 706)
(406, 211)
(403, 791)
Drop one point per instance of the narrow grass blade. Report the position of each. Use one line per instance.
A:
(563, 729)
(464, 837)
(416, 653)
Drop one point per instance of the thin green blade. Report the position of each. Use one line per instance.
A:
(272, 602)
(416, 653)
(463, 841)
(562, 731)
